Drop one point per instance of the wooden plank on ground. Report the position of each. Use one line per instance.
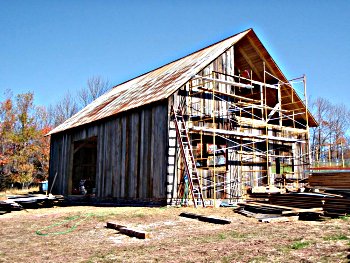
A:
(289, 209)
(208, 219)
(304, 210)
(279, 219)
(128, 231)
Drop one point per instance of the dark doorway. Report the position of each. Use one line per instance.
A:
(84, 166)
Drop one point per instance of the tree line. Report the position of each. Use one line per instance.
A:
(329, 142)
(24, 148)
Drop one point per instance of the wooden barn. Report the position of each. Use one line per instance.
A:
(213, 125)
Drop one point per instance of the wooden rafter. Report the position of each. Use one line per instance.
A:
(261, 55)
(251, 65)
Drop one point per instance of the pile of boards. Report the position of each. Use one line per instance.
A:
(19, 202)
(333, 197)
(330, 179)
(333, 204)
(265, 212)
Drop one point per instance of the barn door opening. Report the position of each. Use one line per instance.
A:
(84, 166)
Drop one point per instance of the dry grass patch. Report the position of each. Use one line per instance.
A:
(78, 234)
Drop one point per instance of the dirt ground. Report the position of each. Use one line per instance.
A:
(78, 234)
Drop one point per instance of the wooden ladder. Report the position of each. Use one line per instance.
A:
(187, 154)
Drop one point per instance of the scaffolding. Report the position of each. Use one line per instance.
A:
(245, 135)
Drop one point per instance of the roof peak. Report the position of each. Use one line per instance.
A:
(190, 54)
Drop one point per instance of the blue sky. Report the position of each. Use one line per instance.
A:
(50, 47)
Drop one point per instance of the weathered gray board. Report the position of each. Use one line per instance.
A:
(131, 155)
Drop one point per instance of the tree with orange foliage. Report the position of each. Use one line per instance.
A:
(24, 150)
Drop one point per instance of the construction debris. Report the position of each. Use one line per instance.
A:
(265, 215)
(19, 202)
(277, 213)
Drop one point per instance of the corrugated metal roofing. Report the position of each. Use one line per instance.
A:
(153, 86)
(150, 87)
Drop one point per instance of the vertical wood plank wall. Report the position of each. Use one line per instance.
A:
(131, 155)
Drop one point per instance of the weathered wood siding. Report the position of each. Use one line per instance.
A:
(244, 168)
(131, 154)
(191, 105)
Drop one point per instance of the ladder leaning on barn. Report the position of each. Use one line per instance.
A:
(187, 154)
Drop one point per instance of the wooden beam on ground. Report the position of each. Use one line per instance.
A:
(128, 231)
(208, 219)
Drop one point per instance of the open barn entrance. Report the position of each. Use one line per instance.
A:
(84, 166)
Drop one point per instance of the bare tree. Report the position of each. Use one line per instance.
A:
(321, 109)
(339, 124)
(63, 109)
(96, 86)
(328, 138)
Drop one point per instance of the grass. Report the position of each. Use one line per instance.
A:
(345, 218)
(336, 237)
(222, 236)
(259, 259)
(139, 215)
(235, 234)
(15, 191)
(299, 245)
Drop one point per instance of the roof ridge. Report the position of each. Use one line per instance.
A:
(192, 53)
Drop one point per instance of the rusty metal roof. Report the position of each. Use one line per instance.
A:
(150, 87)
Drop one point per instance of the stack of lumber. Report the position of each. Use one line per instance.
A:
(277, 209)
(332, 204)
(261, 197)
(334, 179)
(273, 213)
(18, 202)
(336, 206)
(300, 200)
(330, 179)
(260, 208)
(6, 207)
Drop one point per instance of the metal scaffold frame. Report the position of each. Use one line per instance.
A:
(252, 143)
